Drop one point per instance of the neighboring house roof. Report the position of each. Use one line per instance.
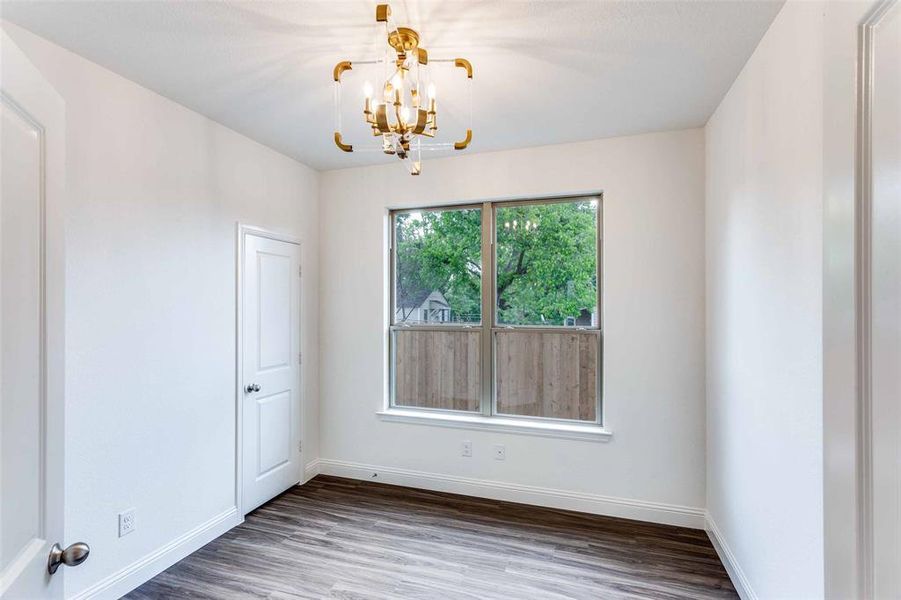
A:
(416, 298)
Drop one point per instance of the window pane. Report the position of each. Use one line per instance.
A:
(438, 266)
(547, 374)
(547, 264)
(438, 369)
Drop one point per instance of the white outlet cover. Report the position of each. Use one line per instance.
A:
(466, 448)
(127, 522)
(500, 452)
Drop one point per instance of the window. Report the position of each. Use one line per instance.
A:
(495, 309)
(438, 266)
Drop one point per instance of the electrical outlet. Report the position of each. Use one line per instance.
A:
(500, 452)
(127, 522)
(466, 448)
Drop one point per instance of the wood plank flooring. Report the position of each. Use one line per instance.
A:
(340, 538)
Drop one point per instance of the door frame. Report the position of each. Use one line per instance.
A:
(242, 231)
(867, 439)
(847, 404)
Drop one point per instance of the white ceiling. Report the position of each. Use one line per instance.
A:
(545, 72)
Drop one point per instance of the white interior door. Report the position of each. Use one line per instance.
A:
(32, 143)
(886, 302)
(271, 369)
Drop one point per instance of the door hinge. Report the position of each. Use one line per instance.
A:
(300, 358)
(299, 271)
(300, 446)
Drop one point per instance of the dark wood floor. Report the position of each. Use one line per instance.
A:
(338, 538)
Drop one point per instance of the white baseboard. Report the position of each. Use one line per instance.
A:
(120, 583)
(310, 470)
(654, 512)
(738, 577)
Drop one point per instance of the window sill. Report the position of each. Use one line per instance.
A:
(591, 433)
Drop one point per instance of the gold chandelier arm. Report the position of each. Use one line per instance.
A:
(341, 144)
(465, 142)
(344, 65)
(401, 128)
(422, 120)
(464, 64)
(381, 118)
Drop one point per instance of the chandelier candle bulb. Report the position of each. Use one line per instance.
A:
(367, 103)
(432, 106)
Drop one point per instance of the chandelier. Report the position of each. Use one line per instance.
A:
(401, 112)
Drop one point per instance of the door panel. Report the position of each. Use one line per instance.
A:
(274, 432)
(31, 327)
(275, 308)
(21, 330)
(271, 374)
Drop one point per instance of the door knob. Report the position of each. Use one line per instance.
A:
(72, 556)
(253, 387)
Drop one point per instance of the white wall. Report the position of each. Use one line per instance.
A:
(654, 316)
(154, 192)
(764, 220)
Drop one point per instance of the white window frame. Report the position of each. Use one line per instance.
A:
(488, 418)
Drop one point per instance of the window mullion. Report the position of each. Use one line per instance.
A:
(487, 306)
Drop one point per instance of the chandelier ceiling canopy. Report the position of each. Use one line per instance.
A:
(401, 110)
